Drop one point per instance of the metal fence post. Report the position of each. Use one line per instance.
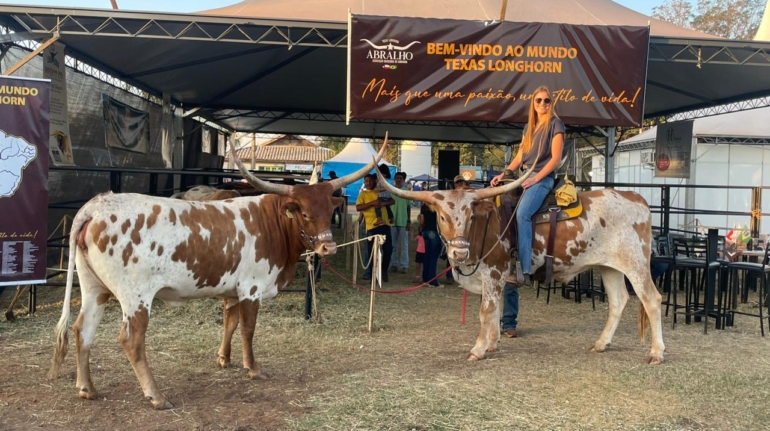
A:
(153, 184)
(115, 181)
(756, 211)
(665, 207)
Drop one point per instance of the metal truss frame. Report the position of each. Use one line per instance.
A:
(709, 51)
(179, 27)
(733, 140)
(29, 43)
(745, 105)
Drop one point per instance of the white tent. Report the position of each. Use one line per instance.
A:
(353, 157)
(763, 33)
(731, 149)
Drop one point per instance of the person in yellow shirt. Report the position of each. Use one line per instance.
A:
(368, 200)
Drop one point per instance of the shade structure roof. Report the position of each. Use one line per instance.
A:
(587, 12)
(753, 124)
(279, 66)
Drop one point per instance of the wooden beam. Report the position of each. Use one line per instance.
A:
(31, 55)
(114, 4)
(502, 10)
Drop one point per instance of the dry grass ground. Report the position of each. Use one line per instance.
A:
(410, 374)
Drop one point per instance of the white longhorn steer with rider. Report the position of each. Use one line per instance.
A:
(612, 233)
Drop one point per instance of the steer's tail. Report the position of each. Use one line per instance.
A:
(644, 320)
(60, 348)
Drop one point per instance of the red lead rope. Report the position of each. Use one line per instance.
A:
(387, 292)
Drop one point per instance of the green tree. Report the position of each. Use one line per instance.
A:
(677, 12)
(732, 19)
(335, 144)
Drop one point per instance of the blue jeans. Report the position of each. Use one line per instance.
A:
(387, 249)
(511, 304)
(530, 202)
(400, 246)
(432, 251)
(365, 246)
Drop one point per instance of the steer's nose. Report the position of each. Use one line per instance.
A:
(460, 254)
(328, 249)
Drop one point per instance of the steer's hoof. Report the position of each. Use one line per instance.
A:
(162, 404)
(257, 375)
(87, 393)
(654, 360)
(473, 358)
(223, 362)
(595, 349)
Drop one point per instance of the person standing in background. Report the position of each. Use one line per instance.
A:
(368, 200)
(400, 228)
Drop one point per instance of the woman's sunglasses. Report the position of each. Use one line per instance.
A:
(540, 100)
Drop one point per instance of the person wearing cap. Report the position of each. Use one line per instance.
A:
(369, 200)
(460, 183)
(540, 150)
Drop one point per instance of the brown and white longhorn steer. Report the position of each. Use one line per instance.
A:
(137, 248)
(612, 234)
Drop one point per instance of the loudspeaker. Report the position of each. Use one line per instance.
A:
(448, 167)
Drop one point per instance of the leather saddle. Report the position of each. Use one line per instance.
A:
(542, 215)
(549, 212)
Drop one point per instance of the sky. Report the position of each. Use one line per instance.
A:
(642, 6)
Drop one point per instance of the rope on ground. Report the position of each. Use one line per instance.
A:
(387, 292)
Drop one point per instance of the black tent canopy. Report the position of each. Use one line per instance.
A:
(287, 75)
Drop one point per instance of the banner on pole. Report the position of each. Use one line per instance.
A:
(452, 70)
(125, 127)
(673, 149)
(59, 142)
(24, 133)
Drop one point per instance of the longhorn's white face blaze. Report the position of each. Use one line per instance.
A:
(137, 248)
(613, 234)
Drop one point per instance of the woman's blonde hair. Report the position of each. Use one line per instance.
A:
(532, 121)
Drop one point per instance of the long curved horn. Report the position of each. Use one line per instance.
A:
(279, 189)
(422, 196)
(339, 183)
(495, 191)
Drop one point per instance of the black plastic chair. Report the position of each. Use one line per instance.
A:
(694, 271)
(750, 269)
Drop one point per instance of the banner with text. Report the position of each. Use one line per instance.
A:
(59, 142)
(673, 149)
(24, 123)
(452, 70)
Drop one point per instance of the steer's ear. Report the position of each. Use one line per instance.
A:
(290, 209)
(338, 202)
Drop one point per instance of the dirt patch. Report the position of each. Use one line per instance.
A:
(410, 373)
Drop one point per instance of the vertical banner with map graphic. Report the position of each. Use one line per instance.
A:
(24, 130)
(59, 142)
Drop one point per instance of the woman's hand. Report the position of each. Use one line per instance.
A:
(529, 182)
(496, 180)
